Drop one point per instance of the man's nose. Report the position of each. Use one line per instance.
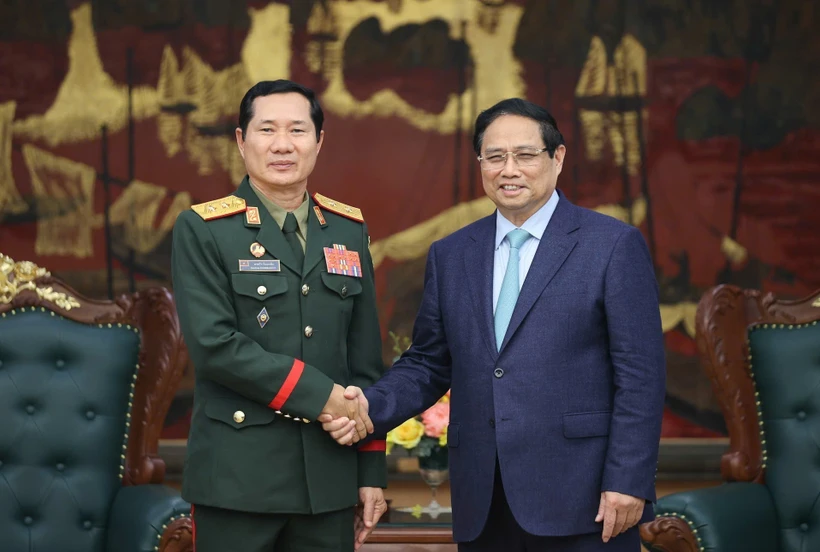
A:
(510, 166)
(281, 143)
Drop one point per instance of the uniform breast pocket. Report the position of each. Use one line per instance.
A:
(256, 291)
(342, 289)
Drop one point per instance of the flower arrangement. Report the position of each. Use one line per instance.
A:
(424, 434)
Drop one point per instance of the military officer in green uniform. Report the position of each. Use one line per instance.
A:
(276, 298)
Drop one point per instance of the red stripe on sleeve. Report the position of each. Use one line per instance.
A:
(290, 383)
(374, 446)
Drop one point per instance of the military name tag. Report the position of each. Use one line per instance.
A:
(259, 265)
(341, 261)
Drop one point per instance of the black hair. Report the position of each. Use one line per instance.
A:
(516, 106)
(281, 86)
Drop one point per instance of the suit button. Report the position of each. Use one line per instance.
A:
(239, 416)
(344, 291)
(30, 409)
(28, 520)
(801, 415)
(60, 467)
(87, 525)
(308, 331)
(804, 527)
(261, 290)
(498, 372)
(492, 424)
(305, 289)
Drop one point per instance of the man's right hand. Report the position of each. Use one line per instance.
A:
(350, 408)
(344, 429)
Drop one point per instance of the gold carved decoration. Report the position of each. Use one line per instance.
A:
(498, 73)
(64, 194)
(16, 277)
(10, 200)
(625, 77)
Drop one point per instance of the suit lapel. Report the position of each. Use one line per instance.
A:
(478, 266)
(269, 235)
(555, 246)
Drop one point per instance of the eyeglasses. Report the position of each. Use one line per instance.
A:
(524, 158)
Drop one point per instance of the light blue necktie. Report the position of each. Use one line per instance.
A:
(509, 287)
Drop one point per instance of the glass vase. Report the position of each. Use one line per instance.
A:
(434, 470)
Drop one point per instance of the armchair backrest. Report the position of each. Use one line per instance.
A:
(84, 389)
(763, 358)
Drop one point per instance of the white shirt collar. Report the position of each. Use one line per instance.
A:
(535, 225)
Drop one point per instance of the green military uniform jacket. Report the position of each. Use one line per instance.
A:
(267, 348)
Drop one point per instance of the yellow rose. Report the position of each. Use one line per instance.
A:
(442, 440)
(408, 434)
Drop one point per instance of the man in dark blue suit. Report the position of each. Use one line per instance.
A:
(543, 318)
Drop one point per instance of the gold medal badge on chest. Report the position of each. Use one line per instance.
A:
(257, 249)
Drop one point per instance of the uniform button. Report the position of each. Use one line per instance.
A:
(344, 291)
(60, 363)
(86, 525)
(305, 289)
(60, 467)
(90, 415)
(261, 290)
(801, 415)
(30, 409)
(308, 331)
(239, 416)
(28, 520)
(498, 372)
(1, 363)
(1, 464)
(492, 423)
(804, 527)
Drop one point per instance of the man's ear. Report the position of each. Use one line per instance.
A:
(240, 142)
(321, 141)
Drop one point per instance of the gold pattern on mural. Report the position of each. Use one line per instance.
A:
(16, 277)
(213, 97)
(88, 98)
(10, 200)
(136, 210)
(626, 77)
(64, 196)
(497, 71)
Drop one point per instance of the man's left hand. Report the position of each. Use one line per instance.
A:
(371, 507)
(619, 512)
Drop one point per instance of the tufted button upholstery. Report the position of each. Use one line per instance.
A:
(786, 369)
(47, 425)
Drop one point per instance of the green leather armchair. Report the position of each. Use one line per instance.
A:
(84, 389)
(763, 358)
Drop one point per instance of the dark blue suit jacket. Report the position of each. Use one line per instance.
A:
(571, 405)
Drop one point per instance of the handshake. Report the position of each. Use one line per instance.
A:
(345, 416)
